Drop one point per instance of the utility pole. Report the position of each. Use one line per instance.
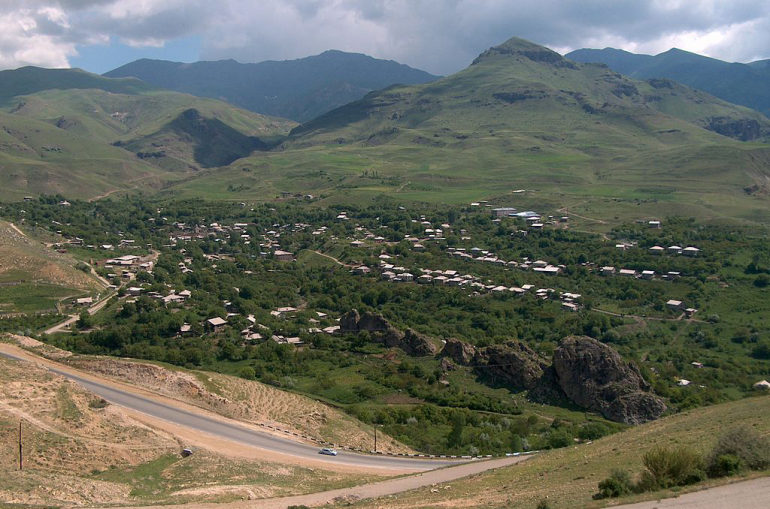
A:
(21, 450)
(375, 438)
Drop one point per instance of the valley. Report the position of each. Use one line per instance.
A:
(533, 283)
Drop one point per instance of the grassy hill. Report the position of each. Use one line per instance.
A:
(84, 135)
(523, 117)
(569, 477)
(298, 89)
(744, 84)
(34, 277)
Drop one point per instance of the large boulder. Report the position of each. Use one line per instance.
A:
(349, 321)
(459, 351)
(513, 363)
(418, 345)
(594, 376)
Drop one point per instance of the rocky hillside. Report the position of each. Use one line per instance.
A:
(583, 371)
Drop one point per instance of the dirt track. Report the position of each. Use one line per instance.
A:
(753, 494)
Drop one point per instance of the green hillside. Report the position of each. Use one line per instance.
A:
(84, 135)
(523, 117)
(744, 84)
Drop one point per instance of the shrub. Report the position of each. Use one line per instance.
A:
(668, 467)
(725, 466)
(593, 431)
(743, 444)
(616, 485)
(98, 403)
(543, 504)
(558, 439)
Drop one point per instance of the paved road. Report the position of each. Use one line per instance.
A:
(232, 431)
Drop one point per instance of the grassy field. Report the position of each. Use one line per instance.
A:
(568, 477)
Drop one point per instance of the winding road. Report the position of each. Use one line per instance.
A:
(232, 430)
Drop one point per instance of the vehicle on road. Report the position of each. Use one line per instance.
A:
(328, 451)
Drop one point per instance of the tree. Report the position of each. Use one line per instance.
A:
(455, 438)
(85, 321)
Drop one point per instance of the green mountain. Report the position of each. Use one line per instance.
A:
(523, 117)
(84, 135)
(298, 89)
(744, 84)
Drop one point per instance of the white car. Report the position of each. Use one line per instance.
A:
(328, 451)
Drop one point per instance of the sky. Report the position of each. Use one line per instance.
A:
(439, 36)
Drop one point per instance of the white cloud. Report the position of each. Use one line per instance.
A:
(438, 35)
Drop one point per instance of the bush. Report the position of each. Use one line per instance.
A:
(543, 504)
(743, 444)
(593, 431)
(616, 485)
(725, 466)
(665, 468)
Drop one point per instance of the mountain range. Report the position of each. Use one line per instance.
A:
(520, 117)
(744, 84)
(298, 89)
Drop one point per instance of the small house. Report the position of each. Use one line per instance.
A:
(675, 305)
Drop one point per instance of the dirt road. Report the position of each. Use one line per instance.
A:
(373, 490)
(74, 318)
(753, 494)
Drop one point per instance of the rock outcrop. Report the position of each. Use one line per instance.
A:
(381, 331)
(513, 363)
(459, 351)
(418, 345)
(594, 376)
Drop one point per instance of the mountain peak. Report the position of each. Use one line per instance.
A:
(516, 46)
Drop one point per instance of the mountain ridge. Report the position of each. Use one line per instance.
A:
(744, 84)
(298, 89)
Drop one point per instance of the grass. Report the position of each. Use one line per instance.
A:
(569, 477)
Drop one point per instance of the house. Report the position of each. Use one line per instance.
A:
(361, 270)
(425, 279)
(674, 249)
(657, 250)
(608, 271)
(283, 256)
(550, 270)
(440, 280)
(654, 224)
(675, 305)
(569, 306)
(83, 301)
(216, 324)
(536, 226)
(503, 211)
(647, 274)
(691, 251)
(407, 277)
(356, 243)
(690, 312)
(627, 272)
(185, 294)
(135, 291)
(683, 383)
(185, 329)
(697, 365)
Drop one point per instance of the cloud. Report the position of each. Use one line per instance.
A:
(441, 36)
